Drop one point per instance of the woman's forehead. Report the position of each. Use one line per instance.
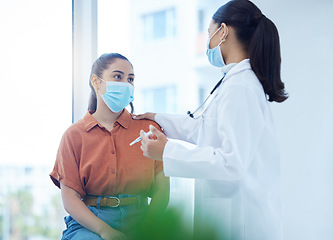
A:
(120, 64)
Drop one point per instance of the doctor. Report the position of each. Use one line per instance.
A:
(236, 161)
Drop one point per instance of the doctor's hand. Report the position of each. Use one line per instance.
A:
(153, 148)
(147, 115)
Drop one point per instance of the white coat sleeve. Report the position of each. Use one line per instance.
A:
(239, 125)
(179, 126)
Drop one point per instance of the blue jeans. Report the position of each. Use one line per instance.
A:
(126, 219)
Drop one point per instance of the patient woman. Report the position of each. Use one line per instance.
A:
(105, 183)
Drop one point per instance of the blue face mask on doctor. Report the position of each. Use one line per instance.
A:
(214, 55)
(117, 95)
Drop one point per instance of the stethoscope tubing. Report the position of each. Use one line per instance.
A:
(210, 94)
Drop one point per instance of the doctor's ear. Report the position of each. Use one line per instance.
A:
(224, 32)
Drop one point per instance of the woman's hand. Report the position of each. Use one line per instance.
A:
(148, 115)
(112, 234)
(153, 148)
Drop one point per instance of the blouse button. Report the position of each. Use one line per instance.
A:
(112, 151)
(112, 171)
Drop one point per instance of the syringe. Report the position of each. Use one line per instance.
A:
(139, 138)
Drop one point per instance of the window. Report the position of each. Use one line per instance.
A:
(201, 20)
(162, 99)
(36, 62)
(159, 25)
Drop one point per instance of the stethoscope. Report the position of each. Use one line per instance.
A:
(216, 86)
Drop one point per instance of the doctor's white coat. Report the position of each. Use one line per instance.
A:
(236, 161)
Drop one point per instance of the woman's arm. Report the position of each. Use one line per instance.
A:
(160, 199)
(78, 210)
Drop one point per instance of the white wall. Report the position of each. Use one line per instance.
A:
(305, 121)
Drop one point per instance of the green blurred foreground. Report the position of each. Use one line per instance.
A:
(172, 227)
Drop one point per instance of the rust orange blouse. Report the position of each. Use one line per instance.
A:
(92, 160)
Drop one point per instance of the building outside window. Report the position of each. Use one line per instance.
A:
(159, 25)
(161, 99)
(36, 60)
(201, 20)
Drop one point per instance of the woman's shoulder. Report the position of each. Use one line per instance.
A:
(74, 130)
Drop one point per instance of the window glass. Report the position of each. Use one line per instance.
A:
(161, 99)
(201, 20)
(159, 25)
(35, 66)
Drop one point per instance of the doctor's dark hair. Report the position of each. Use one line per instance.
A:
(260, 38)
(98, 68)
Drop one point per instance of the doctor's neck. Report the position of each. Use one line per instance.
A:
(233, 50)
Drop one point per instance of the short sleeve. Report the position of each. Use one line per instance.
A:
(66, 167)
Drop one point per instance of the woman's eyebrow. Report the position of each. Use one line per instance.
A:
(118, 71)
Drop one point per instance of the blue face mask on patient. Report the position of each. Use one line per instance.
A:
(117, 95)
(214, 55)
